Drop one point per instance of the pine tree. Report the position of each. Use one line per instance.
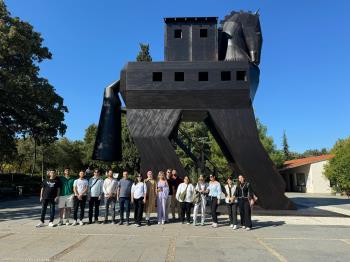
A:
(286, 146)
(144, 55)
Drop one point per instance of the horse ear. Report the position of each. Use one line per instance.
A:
(257, 12)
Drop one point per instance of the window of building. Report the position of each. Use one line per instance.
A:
(203, 76)
(179, 76)
(203, 32)
(157, 76)
(225, 75)
(177, 33)
(241, 76)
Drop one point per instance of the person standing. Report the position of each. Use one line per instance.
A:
(214, 195)
(245, 195)
(138, 198)
(150, 206)
(66, 199)
(49, 195)
(80, 188)
(95, 195)
(162, 195)
(231, 202)
(110, 186)
(170, 195)
(202, 191)
(124, 197)
(184, 195)
(174, 202)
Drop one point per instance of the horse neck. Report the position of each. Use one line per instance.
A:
(236, 48)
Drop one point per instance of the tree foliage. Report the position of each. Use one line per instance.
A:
(144, 54)
(337, 170)
(29, 105)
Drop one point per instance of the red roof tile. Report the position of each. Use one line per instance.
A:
(305, 161)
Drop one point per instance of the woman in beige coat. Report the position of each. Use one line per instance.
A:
(150, 206)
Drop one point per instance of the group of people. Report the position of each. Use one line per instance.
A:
(165, 195)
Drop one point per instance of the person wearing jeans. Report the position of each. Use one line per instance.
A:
(124, 197)
(214, 195)
(110, 186)
(201, 189)
(80, 188)
(231, 202)
(184, 195)
(138, 198)
(49, 195)
(95, 195)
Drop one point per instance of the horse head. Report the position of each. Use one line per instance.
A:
(241, 36)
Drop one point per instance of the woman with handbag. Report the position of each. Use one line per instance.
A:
(231, 202)
(246, 200)
(215, 196)
(200, 199)
(184, 195)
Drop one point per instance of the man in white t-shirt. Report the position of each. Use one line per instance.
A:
(80, 188)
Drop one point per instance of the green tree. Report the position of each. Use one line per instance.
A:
(337, 170)
(144, 54)
(29, 105)
(285, 146)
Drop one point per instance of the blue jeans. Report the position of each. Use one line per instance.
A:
(124, 202)
(45, 203)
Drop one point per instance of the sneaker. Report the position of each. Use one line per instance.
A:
(159, 223)
(148, 223)
(121, 222)
(41, 224)
(127, 223)
(113, 222)
(243, 227)
(234, 227)
(67, 222)
(188, 223)
(202, 223)
(75, 223)
(60, 223)
(139, 224)
(194, 223)
(248, 228)
(231, 225)
(163, 222)
(51, 224)
(81, 223)
(214, 225)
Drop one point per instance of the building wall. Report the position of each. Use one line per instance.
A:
(320, 184)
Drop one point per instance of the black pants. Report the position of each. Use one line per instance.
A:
(232, 212)
(214, 207)
(52, 204)
(124, 203)
(94, 202)
(79, 204)
(138, 203)
(245, 212)
(185, 211)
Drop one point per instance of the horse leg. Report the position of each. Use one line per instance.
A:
(237, 129)
(150, 130)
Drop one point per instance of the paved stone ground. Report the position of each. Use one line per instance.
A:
(298, 236)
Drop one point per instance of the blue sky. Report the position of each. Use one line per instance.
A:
(304, 85)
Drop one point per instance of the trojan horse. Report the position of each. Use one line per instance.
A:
(209, 74)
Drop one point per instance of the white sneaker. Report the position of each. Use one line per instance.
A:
(234, 227)
(243, 227)
(231, 225)
(60, 223)
(51, 224)
(159, 223)
(163, 222)
(67, 222)
(75, 223)
(214, 225)
(41, 224)
(81, 223)
(248, 228)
